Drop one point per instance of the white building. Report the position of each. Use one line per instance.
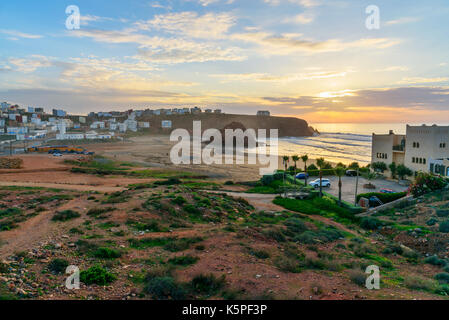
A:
(70, 136)
(263, 113)
(166, 124)
(131, 125)
(422, 149)
(143, 124)
(97, 125)
(122, 127)
(17, 130)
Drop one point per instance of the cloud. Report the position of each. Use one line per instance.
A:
(287, 43)
(207, 26)
(164, 50)
(264, 77)
(304, 3)
(414, 80)
(18, 34)
(205, 3)
(403, 20)
(31, 64)
(303, 18)
(423, 98)
(393, 68)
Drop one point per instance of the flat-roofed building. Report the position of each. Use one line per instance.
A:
(422, 149)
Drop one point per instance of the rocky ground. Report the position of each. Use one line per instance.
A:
(174, 236)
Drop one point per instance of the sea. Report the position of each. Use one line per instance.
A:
(340, 142)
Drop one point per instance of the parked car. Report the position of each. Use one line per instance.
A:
(351, 173)
(386, 191)
(324, 182)
(57, 154)
(302, 175)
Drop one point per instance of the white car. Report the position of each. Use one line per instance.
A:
(324, 182)
(57, 155)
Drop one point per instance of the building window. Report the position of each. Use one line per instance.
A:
(424, 161)
(413, 160)
(443, 145)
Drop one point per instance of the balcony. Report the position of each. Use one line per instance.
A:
(399, 148)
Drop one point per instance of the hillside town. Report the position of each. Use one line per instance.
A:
(32, 124)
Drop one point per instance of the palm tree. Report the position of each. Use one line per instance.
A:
(320, 163)
(304, 159)
(285, 162)
(340, 172)
(295, 159)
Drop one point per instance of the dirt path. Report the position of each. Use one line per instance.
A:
(264, 202)
(32, 232)
(64, 186)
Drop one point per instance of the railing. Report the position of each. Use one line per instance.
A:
(399, 148)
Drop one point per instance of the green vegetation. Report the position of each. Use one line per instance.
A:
(97, 275)
(444, 226)
(107, 253)
(164, 288)
(384, 197)
(183, 260)
(65, 215)
(207, 284)
(324, 206)
(58, 266)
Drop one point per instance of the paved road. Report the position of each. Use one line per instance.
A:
(348, 186)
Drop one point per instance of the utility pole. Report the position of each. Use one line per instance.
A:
(356, 187)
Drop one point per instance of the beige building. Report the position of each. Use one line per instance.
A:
(422, 149)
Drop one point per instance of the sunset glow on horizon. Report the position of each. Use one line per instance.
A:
(310, 59)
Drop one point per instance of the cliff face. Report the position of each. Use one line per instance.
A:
(288, 127)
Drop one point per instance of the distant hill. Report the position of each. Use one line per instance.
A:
(287, 126)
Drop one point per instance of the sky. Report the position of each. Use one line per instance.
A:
(312, 59)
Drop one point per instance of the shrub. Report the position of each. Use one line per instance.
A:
(393, 248)
(164, 288)
(370, 223)
(442, 212)
(426, 183)
(107, 253)
(443, 277)
(431, 221)
(65, 215)
(274, 234)
(444, 226)
(261, 254)
(169, 182)
(418, 283)
(435, 261)
(190, 208)
(207, 284)
(97, 275)
(179, 200)
(10, 212)
(384, 197)
(95, 212)
(358, 277)
(181, 244)
(295, 225)
(183, 260)
(58, 266)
